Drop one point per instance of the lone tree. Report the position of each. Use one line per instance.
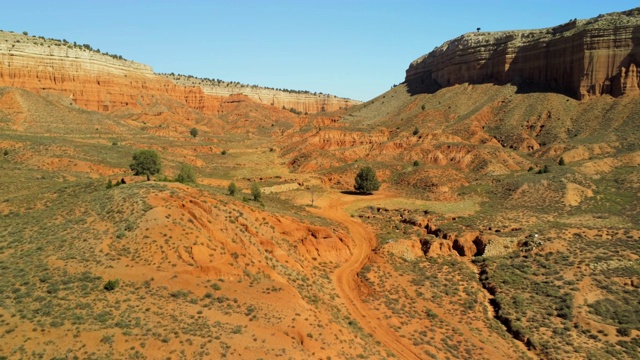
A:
(367, 181)
(256, 192)
(146, 162)
(186, 175)
(194, 132)
(232, 188)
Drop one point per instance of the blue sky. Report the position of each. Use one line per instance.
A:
(355, 49)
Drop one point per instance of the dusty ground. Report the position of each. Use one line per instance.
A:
(443, 262)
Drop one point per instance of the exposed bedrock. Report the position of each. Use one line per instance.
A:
(582, 58)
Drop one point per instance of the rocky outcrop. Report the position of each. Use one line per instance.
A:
(302, 101)
(582, 58)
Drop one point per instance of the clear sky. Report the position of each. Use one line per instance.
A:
(355, 49)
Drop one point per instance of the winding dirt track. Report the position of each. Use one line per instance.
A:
(345, 277)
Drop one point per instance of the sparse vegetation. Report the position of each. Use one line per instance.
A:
(466, 253)
(194, 132)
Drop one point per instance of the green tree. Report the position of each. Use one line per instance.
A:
(194, 132)
(366, 180)
(561, 162)
(416, 131)
(186, 175)
(256, 192)
(232, 188)
(5, 152)
(146, 162)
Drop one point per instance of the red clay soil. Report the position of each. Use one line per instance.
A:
(345, 278)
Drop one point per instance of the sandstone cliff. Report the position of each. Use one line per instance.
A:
(101, 82)
(582, 58)
(94, 81)
(302, 101)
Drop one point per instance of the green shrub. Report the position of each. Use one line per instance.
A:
(232, 188)
(416, 131)
(623, 331)
(111, 285)
(416, 163)
(186, 175)
(544, 170)
(194, 132)
(256, 192)
(561, 162)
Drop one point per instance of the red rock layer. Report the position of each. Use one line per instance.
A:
(582, 58)
(97, 87)
(300, 101)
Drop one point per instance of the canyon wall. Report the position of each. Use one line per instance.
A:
(582, 58)
(302, 101)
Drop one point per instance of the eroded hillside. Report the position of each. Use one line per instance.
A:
(506, 226)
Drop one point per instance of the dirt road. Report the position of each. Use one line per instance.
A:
(345, 277)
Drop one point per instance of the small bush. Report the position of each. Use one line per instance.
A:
(256, 192)
(186, 175)
(623, 331)
(5, 152)
(544, 170)
(224, 152)
(416, 163)
(111, 285)
(232, 188)
(416, 131)
(194, 132)
(561, 161)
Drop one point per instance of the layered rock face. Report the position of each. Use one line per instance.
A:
(92, 80)
(298, 100)
(582, 58)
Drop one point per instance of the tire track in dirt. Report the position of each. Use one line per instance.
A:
(345, 277)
